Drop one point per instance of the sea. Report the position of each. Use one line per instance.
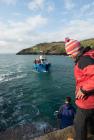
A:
(30, 97)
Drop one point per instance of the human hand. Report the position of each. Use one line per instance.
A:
(80, 95)
(56, 113)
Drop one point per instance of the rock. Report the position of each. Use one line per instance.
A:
(63, 134)
(26, 133)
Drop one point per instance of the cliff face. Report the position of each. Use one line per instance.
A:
(53, 48)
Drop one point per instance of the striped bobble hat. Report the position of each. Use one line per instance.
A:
(72, 47)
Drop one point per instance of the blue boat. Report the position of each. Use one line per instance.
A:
(41, 65)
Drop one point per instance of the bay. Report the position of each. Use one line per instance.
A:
(29, 97)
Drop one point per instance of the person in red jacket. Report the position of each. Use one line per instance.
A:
(84, 77)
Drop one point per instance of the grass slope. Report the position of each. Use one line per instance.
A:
(52, 48)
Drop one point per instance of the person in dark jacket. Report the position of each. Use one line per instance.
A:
(84, 94)
(66, 113)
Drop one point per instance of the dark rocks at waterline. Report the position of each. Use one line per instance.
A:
(35, 53)
(28, 132)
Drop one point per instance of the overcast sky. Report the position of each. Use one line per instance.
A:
(24, 23)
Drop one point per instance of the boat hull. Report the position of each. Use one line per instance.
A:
(41, 67)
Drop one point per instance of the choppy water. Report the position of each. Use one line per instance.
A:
(26, 96)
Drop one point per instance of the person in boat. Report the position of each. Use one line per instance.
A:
(42, 59)
(39, 61)
(42, 62)
(35, 61)
(66, 113)
(84, 94)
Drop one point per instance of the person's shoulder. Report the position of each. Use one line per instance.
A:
(62, 107)
(84, 61)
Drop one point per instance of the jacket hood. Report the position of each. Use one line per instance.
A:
(82, 51)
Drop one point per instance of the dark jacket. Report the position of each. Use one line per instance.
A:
(66, 114)
(84, 76)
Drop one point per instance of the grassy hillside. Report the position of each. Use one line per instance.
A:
(88, 42)
(53, 48)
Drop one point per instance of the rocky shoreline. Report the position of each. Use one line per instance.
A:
(26, 132)
(34, 53)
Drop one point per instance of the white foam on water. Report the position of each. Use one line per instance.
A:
(31, 112)
(11, 76)
(41, 126)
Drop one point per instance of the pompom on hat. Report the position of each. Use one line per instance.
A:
(72, 47)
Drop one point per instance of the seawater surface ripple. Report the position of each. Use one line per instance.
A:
(29, 97)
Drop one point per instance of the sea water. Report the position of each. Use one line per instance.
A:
(29, 97)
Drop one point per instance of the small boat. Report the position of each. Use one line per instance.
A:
(41, 65)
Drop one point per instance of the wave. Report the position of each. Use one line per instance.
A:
(42, 126)
(11, 76)
(19, 114)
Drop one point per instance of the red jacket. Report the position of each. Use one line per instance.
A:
(84, 76)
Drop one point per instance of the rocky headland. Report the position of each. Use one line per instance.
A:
(53, 48)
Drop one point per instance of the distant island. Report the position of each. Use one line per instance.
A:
(53, 48)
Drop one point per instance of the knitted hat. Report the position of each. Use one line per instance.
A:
(72, 47)
(68, 99)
